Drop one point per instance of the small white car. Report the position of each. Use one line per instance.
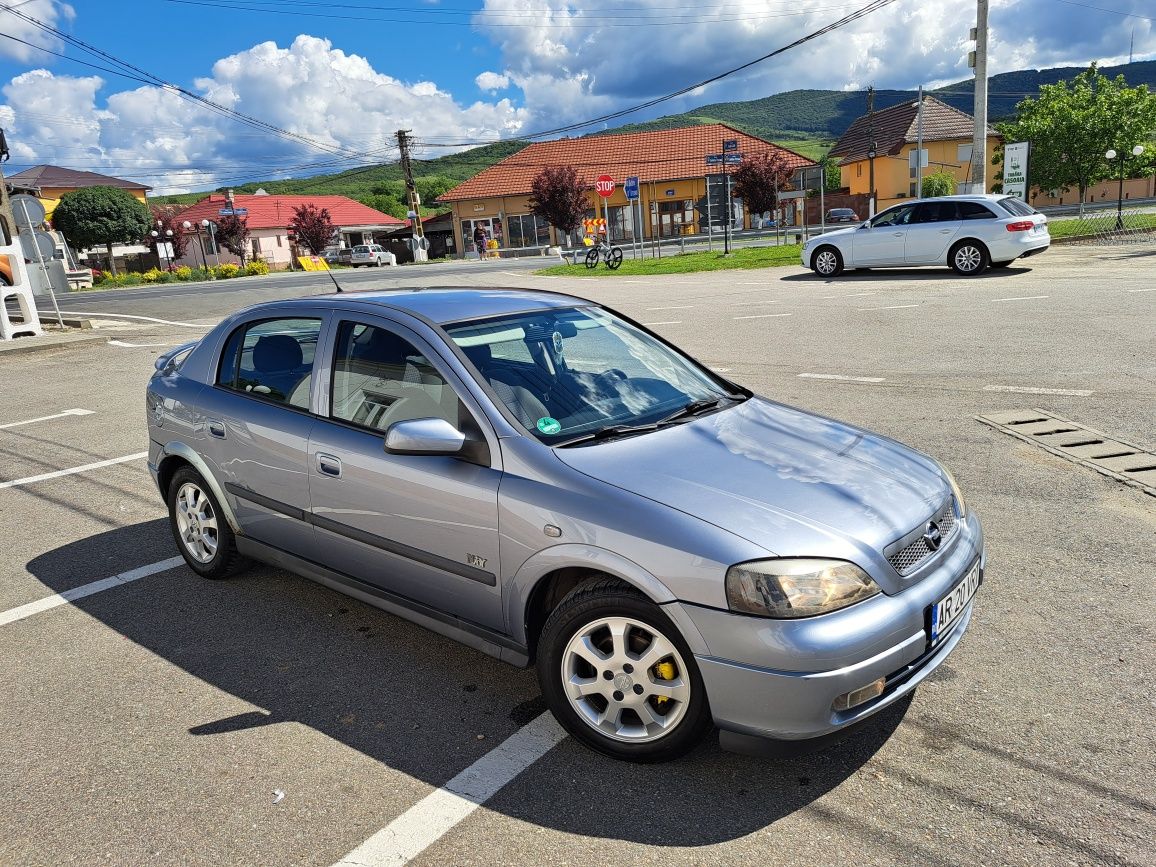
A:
(371, 254)
(968, 233)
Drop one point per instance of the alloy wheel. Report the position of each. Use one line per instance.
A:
(968, 258)
(197, 523)
(625, 679)
(825, 262)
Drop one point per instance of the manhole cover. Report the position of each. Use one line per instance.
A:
(1086, 446)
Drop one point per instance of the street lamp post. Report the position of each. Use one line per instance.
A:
(1109, 156)
(187, 226)
(162, 237)
(211, 227)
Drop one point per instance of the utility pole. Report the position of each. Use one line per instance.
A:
(978, 179)
(871, 148)
(419, 243)
(5, 206)
(919, 146)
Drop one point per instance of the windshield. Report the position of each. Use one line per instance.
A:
(570, 373)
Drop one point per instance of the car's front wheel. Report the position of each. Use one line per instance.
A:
(827, 261)
(619, 677)
(968, 258)
(200, 529)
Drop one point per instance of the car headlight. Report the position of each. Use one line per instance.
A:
(956, 492)
(791, 588)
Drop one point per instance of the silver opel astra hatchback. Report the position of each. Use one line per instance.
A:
(548, 482)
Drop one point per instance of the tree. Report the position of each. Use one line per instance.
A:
(1071, 124)
(940, 183)
(832, 176)
(385, 203)
(558, 196)
(233, 234)
(314, 227)
(432, 186)
(102, 215)
(760, 178)
(167, 215)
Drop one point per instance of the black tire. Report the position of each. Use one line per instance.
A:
(827, 261)
(583, 609)
(592, 258)
(968, 258)
(224, 560)
(614, 260)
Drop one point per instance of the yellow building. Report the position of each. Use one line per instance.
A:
(671, 167)
(49, 183)
(947, 138)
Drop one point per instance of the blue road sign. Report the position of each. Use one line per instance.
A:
(731, 144)
(233, 212)
(630, 187)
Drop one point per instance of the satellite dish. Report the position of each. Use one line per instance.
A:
(27, 210)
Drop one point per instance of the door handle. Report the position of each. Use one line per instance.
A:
(946, 231)
(328, 465)
(897, 234)
(216, 428)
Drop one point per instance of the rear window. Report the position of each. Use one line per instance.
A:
(361, 249)
(974, 211)
(842, 212)
(1016, 207)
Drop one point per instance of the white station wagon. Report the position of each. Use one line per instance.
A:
(968, 233)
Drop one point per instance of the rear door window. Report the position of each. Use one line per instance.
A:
(974, 211)
(271, 360)
(935, 212)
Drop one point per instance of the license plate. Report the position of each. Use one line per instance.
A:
(950, 608)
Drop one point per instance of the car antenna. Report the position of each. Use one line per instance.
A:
(334, 279)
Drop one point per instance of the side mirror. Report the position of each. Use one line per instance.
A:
(424, 436)
(865, 225)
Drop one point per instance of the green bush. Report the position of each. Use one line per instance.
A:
(941, 183)
(257, 268)
(226, 271)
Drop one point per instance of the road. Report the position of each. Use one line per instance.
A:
(265, 719)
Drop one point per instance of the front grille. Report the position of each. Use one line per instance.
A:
(907, 559)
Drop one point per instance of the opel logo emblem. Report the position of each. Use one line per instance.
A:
(932, 536)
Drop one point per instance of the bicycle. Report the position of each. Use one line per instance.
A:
(610, 254)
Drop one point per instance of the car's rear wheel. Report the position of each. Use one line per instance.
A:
(827, 261)
(199, 527)
(619, 677)
(968, 258)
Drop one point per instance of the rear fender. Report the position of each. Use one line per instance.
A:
(185, 452)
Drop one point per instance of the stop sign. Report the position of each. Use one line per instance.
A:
(605, 186)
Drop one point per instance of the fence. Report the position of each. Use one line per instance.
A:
(1104, 227)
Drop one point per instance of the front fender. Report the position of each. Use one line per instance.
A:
(177, 449)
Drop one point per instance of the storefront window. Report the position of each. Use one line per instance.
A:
(492, 226)
(527, 230)
(621, 222)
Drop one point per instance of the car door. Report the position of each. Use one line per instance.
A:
(880, 241)
(421, 526)
(257, 423)
(932, 228)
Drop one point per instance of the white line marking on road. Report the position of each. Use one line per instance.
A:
(433, 816)
(852, 295)
(1023, 389)
(67, 412)
(86, 315)
(58, 599)
(1020, 298)
(774, 301)
(1141, 290)
(891, 307)
(43, 477)
(675, 307)
(839, 376)
(127, 345)
(670, 322)
(763, 315)
(721, 369)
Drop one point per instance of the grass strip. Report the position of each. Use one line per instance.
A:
(686, 263)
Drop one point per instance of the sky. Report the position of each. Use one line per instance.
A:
(337, 78)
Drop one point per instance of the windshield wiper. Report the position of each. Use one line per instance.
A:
(696, 407)
(607, 433)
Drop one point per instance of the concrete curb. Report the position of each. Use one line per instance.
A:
(29, 345)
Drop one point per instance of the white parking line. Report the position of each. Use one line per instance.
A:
(675, 307)
(67, 412)
(433, 816)
(85, 314)
(670, 322)
(1020, 298)
(852, 295)
(127, 345)
(891, 307)
(43, 477)
(58, 599)
(1023, 389)
(841, 377)
(763, 315)
(1141, 290)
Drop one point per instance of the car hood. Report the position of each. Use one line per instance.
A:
(791, 482)
(838, 233)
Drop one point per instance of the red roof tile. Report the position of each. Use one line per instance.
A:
(275, 212)
(663, 155)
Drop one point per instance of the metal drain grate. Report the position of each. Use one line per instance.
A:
(1086, 446)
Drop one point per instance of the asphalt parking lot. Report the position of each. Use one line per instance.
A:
(165, 719)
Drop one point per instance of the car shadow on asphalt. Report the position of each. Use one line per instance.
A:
(912, 275)
(417, 702)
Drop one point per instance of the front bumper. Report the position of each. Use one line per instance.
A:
(779, 679)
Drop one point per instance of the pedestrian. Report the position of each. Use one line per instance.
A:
(480, 239)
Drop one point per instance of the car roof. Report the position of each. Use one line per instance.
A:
(448, 304)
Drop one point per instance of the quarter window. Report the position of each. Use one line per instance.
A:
(272, 360)
(380, 378)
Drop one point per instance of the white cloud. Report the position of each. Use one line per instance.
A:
(50, 12)
(153, 135)
(492, 81)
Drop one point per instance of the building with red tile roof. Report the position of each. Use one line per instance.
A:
(268, 219)
(671, 166)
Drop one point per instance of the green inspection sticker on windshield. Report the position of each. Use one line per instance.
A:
(549, 425)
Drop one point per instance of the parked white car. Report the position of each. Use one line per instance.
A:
(968, 233)
(371, 254)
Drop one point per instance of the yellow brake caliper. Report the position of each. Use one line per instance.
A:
(663, 671)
